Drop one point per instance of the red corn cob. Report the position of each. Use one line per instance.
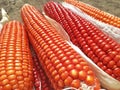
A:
(96, 13)
(41, 80)
(103, 50)
(15, 58)
(63, 66)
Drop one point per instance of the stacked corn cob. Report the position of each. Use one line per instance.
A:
(41, 80)
(63, 66)
(96, 13)
(103, 50)
(15, 58)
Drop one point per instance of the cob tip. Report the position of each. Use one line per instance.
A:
(24, 6)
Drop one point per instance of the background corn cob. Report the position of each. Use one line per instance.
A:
(15, 58)
(103, 50)
(110, 30)
(41, 80)
(96, 13)
(63, 66)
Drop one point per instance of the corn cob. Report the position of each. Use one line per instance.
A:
(102, 49)
(41, 80)
(63, 66)
(15, 58)
(96, 13)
